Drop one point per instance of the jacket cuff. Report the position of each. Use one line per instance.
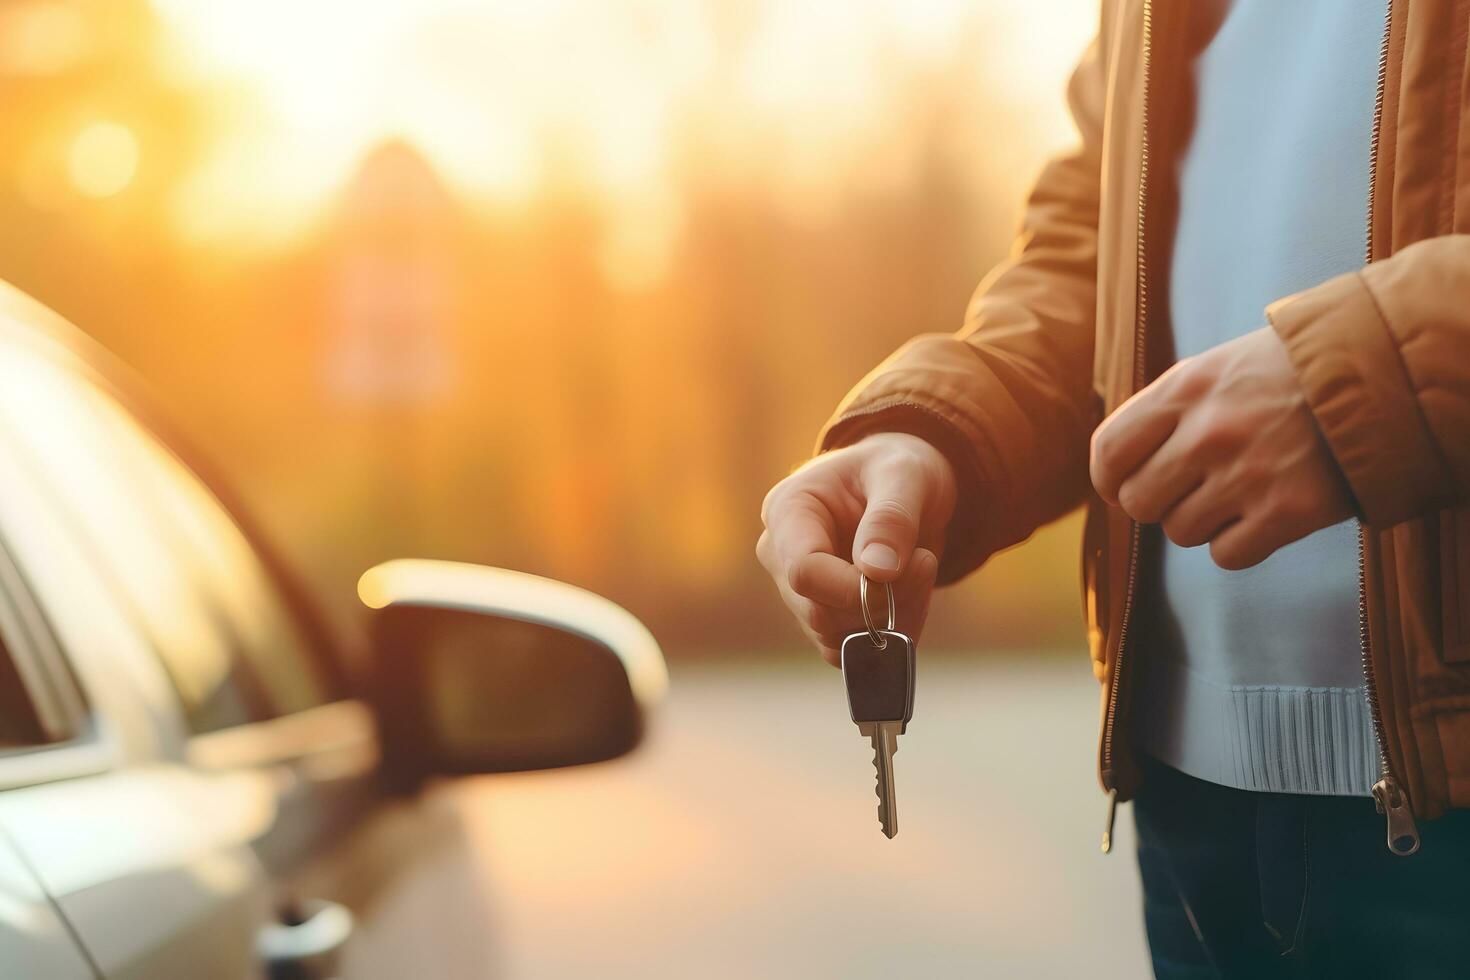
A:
(963, 547)
(1350, 370)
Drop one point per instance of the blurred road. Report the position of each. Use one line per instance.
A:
(743, 842)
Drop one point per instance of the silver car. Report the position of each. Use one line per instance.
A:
(197, 778)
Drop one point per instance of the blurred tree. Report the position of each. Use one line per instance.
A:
(592, 383)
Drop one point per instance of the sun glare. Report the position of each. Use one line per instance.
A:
(501, 94)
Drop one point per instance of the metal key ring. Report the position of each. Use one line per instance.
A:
(879, 640)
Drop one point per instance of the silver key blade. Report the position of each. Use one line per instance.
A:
(884, 736)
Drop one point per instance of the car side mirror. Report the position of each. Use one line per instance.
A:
(479, 669)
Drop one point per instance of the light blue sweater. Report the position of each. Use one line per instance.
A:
(1256, 681)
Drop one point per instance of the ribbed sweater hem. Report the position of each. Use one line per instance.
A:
(1263, 738)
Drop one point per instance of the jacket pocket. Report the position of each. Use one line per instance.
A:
(1454, 574)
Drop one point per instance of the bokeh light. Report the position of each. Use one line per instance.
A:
(103, 158)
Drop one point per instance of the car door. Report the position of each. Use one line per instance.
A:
(149, 860)
(218, 748)
(34, 939)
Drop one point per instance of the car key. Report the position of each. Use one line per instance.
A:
(878, 671)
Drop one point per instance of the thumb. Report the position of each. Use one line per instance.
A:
(885, 538)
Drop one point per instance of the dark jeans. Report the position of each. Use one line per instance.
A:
(1262, 885)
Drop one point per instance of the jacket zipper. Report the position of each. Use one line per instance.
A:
(1140, 331)
(1388, 794)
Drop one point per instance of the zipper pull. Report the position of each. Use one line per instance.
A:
(1107, 837)
(1403, 834)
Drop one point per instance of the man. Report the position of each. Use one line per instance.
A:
(1271, 196)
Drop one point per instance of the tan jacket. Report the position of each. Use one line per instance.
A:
(1064, 331)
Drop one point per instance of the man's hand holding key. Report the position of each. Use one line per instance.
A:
(885, 500)
(880, 506)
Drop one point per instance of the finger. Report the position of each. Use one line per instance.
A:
(797, 525)
(1200, 516)
(825, 579)
(832, 626)
(833, 623)
(1127, 438)
(1164, 479)
(803, 611)
(829, 648)
(824, 626)
(885, 538)
(1247, 542)
(917, 591)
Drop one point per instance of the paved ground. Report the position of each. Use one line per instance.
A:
(742, 842)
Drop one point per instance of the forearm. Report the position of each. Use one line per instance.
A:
(1008, 401)
(1008, 398)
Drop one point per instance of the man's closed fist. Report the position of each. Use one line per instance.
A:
(1223, 450)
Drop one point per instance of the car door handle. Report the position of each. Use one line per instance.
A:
(307, 942)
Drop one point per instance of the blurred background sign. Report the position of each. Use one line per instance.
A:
(391, 283)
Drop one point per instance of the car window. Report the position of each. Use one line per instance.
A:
(39, 702)
(20, 723)
(184, 568)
